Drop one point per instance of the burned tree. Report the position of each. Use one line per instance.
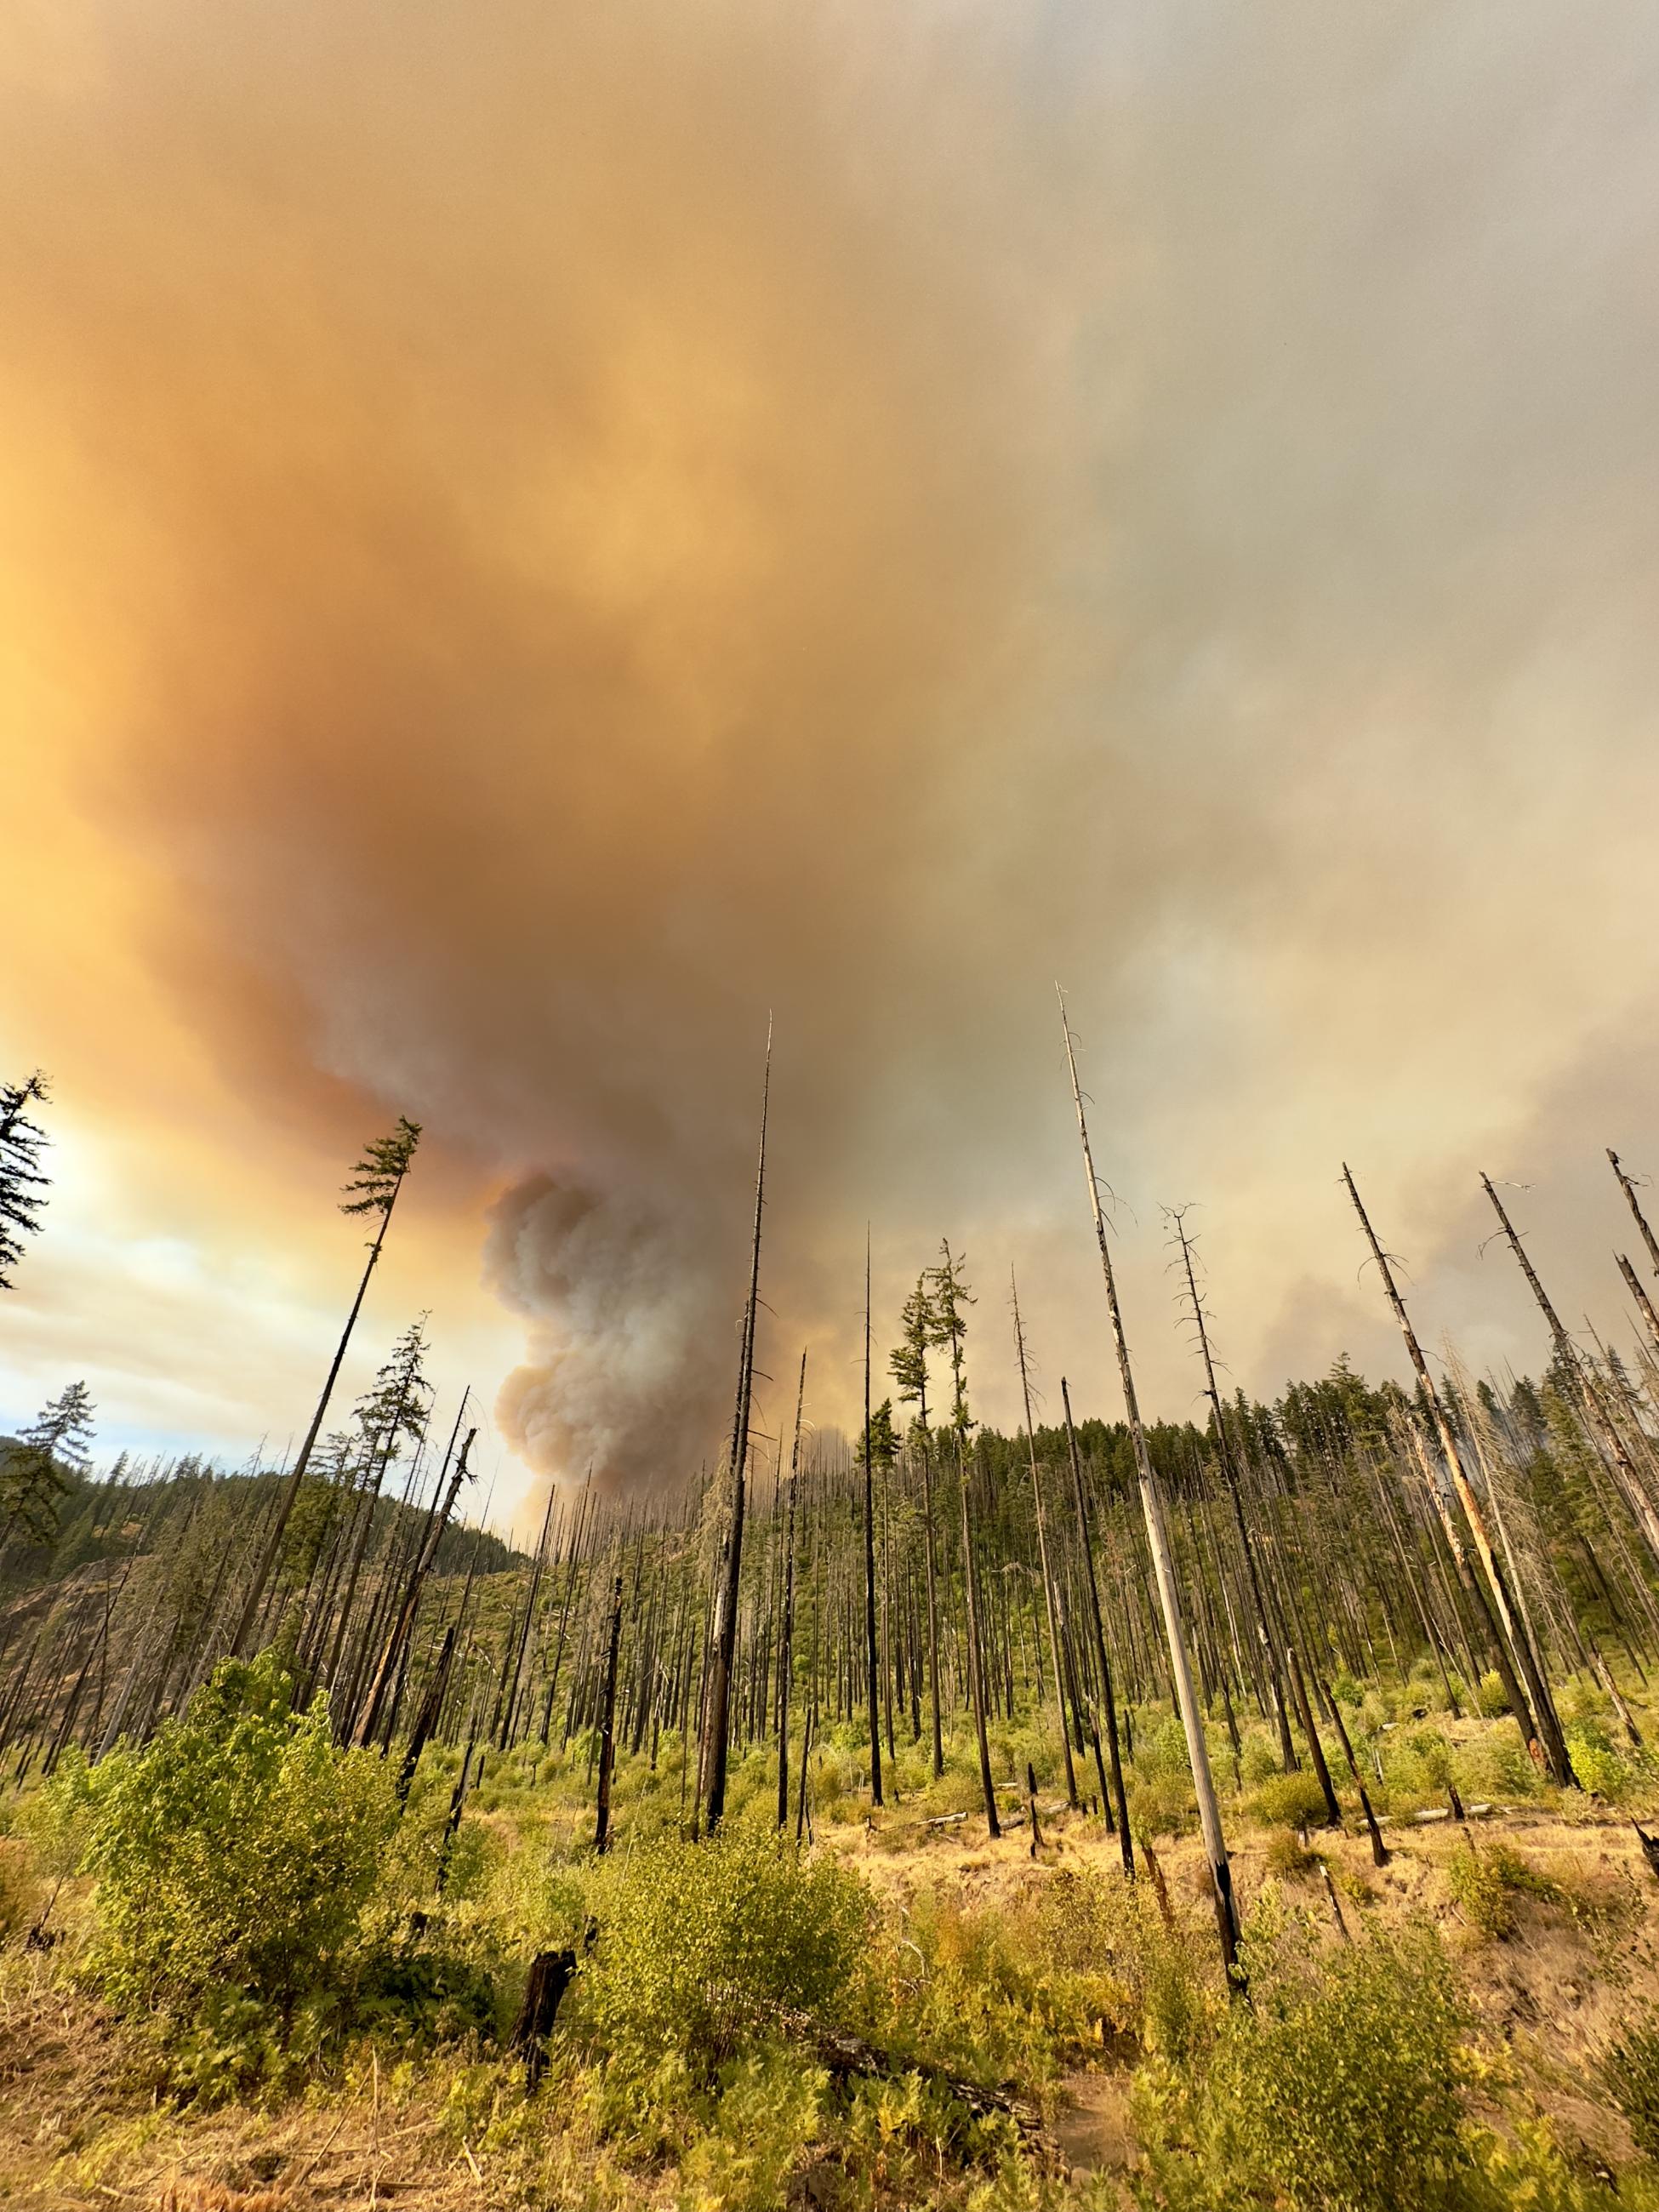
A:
(1164, 1566)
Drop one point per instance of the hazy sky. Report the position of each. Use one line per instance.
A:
(532, 537)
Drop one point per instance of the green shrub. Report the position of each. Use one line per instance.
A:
(1490, 1697)
(1162, 1803)
(768, 2111)
(234, 1854)
(1338, 2090)
(1416, 1766)
(1261, 1758)
(1289, 1801)
(56, 1821)
(1480, 1892)
(1289, 1859)
(701, 1945)
(1528, 2169)
(1019, 1990)
(1486, 1884)
(1630, 2068)
(1495, 1765)
(18, 1891)
(1160, 1748)
(1598, 1767)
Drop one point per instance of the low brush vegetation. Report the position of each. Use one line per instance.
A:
(751, 2024)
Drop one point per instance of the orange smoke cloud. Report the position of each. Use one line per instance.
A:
(546, 536)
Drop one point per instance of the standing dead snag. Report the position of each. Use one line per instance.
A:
(1599, 1419)
(1643, 1304)
(438, 1520)
(1511, 1643)
(608, 1723)
(949, 1294)
(1231, 1485)
(872, 1663)
(1627, 1185)
(787, 1627)
(1086, 1541)
(1309, 1729)
(723, 1635)
(1379, 1849)
(1169, 1590)
(1056, 1611)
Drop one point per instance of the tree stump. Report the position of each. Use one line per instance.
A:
(550, 1974)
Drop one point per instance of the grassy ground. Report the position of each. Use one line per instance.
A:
(1041, 1974)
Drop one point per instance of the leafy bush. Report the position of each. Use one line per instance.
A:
(1289, 1801)
(17, 1891)
(1261, 1757)
(233, 1855)
(1162, 1804)
(1485, 1884)
(1490, 1697)
(768, 2110)
(1416, 1767)
(1495, 1763)
(1603, 1769)
(1630, 2068)
(1160, 1748)
(1288, 1859)
(1337, 2091)
(701, 1945)
(1018, 1990)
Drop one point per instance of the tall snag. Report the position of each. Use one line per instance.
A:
(724, 1634)
(1085, 1540)
(608, 1721)
(1164, 1568)
(787, 1622)
(1053, 1603)
(437, 1522)
(872, 1663)
(1597, 1415)
(1627, 1183)
(1230, 1483)
(908, 1365)
(1510, 1642)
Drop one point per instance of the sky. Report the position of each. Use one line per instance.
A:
(536, 540)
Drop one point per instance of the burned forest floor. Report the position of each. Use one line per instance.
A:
(907, 2012)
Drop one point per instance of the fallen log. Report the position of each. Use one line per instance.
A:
(843, 2054)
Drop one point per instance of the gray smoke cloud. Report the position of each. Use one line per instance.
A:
(621, 1376)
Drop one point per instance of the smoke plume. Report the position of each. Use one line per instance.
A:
(557, 532)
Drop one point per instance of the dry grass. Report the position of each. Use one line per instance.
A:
(80, 2127)
(79, 2130)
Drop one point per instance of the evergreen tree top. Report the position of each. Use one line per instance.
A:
(22, 1185)
(380, 1173)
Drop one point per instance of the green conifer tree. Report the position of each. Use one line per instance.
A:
(22, 1185)
(373, 1192)
(36, 1471)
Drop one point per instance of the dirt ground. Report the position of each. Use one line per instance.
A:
(77, 2131)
